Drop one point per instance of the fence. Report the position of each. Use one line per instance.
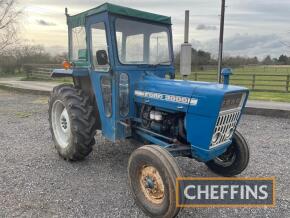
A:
(259, 80)
(39, 71)
(254, 81)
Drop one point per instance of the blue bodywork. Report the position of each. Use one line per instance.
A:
(200, 102)
(200, 119)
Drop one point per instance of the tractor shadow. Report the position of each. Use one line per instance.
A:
(117, 155)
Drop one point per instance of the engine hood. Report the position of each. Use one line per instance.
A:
(189, 96)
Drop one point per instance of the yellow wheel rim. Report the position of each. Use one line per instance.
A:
(151, 184)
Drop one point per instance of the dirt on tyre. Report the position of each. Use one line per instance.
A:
(152, 173)
(72, 122)
(234, 160)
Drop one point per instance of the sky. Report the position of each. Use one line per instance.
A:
(252, 28)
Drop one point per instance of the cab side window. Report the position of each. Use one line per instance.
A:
(79, 46)
(99, 46)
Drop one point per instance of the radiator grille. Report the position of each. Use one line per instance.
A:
(225, 126)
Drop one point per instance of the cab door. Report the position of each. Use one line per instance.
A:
(102, 78)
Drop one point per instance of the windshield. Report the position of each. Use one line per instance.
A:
(142, 43)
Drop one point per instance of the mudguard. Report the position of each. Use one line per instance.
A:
(76, 72)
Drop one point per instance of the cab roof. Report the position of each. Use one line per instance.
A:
(79, 19)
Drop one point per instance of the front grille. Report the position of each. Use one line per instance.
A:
(225, 126)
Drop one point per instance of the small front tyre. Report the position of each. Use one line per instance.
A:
(234, 160)
(72, 122)
(152, 172)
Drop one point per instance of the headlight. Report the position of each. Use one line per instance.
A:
(216, 137)
(229, 133)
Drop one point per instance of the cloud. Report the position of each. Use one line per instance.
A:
(246, 45)
(205, 27)
(252, 28)
(45, 23)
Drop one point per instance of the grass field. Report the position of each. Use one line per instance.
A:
(261, 78)
(272, 78)
(270, 96)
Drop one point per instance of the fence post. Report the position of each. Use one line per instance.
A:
(195, 76)
(287, 83)
(253, 81)
(27, 70)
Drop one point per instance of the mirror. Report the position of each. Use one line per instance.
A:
(102, 57)
(82, 54)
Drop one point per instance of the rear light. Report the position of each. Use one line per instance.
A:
(66, 64)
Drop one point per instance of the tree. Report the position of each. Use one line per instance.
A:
(203, 57)
(267, 60)
(200, 58)
(283, 59)
(275, 61)
(8, 20)
(59, 58)
(17, 56)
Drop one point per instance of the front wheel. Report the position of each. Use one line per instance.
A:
(152, 175)
(234, 160)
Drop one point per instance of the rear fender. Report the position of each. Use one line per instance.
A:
(81, 81)
(84, 83)
(76, 72)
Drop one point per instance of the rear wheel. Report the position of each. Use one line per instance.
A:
(72, 122)
(234, 160)
(152, 175)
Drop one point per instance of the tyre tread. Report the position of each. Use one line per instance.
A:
(82, 119)
(237, 167)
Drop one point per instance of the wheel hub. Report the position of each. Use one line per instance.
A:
(60, 124)
(149, 182)
(152, 184)
(64, 120)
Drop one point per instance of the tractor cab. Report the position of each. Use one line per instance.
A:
(115, 47)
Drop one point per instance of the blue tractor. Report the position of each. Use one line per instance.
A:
(121, 62)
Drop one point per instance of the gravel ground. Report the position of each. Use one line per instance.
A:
(36, 182)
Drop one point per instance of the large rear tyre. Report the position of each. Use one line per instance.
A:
(234, 160)
(152, 175)
(72, 122)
